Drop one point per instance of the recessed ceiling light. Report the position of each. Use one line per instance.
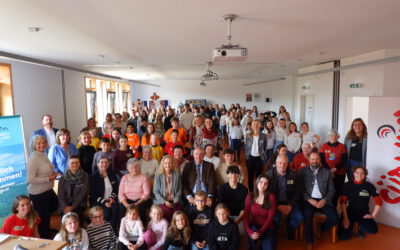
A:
(34, 29)
(101, 56)
(130, 67)
(117, 62)
(322, 53)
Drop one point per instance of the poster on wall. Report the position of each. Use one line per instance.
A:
(248, 97)
(383, 155)
(12, 163)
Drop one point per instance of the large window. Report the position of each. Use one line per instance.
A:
(6, 94)
(104, 96)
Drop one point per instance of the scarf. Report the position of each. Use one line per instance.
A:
(74, 179)
(209, 134)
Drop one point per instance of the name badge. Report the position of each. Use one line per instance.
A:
(354, 144)
(290, 182)
(365, 194)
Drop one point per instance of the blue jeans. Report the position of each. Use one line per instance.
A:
(268, 239)
(328, 210)
(172, 247)
(293, 221)
(291, 155)
(194, 247)
(223, 131)
(351, 163)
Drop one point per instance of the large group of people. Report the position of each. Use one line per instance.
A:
(160, 179)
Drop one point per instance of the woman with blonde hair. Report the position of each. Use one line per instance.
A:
(178, 234)
(70, 232)
(255, 152)
(167, 188)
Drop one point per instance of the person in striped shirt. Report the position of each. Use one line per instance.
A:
(100, 232)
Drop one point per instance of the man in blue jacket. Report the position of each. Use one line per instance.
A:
(47, 131)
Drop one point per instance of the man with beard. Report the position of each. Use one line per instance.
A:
(318, 192)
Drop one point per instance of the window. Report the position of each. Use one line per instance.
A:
(6, 94)
(105, 96)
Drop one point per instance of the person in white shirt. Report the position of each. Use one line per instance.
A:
(223, 121)
(235, 136)
(246, 118)
(309, 136)
(210, 156)
(70, 232)
(280, 133)
(293, 141)
(186, 119)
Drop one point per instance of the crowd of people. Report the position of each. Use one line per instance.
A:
(166, 179)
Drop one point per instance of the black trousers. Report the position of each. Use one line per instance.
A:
(364, 225)
(45, 204)
(254, 167)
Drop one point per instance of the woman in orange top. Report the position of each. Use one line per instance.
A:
(133, 140)
(146, 137)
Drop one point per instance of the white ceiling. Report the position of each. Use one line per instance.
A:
(159, 40)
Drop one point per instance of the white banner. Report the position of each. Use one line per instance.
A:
(383, 155)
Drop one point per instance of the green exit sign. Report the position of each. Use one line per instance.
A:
(355, 85)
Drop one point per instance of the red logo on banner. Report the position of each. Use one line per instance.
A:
(390, 193)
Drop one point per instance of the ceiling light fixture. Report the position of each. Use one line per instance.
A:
(209, 75)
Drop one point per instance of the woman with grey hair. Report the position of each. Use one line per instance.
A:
(148, 165)
(134, 189)
(40, 180)
(334, 157)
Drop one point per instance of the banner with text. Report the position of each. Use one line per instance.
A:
(12, 163)
(383, 155)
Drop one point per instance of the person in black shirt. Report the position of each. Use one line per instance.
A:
(354, 202)
(234, 191)
(178, 234)
(286, 187)
(200, 218)
(223, 233)
(86, 152)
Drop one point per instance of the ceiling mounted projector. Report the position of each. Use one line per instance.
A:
(209, 75)
(229, 52)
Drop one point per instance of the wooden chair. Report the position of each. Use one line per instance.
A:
(318, 218)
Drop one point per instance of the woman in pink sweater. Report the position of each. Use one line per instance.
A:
(259, 212)
(134, 189)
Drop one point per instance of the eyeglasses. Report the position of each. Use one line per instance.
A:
(96, 217)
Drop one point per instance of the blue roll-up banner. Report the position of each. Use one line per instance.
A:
(12, 163)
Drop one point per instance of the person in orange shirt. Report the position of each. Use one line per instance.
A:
(133, 140)
(182, 133)
(146, 137)
(170, 145)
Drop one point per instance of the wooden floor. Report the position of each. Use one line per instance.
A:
(388, 238)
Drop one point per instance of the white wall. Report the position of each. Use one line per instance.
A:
(37, 90)
(321, 86)
(75, 102)
(371, 77)
(221, 92)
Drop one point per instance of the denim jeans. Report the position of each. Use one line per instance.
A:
(293, 219)
(268, 239)
(328, 210)
(175, 248)
(194, 247)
